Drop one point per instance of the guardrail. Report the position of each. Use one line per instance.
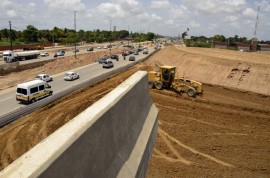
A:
(16, 114)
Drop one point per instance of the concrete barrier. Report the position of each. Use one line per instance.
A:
(112, 138)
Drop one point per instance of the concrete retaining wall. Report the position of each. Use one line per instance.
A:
(112, 138)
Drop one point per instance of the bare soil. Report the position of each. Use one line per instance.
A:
(224, 133)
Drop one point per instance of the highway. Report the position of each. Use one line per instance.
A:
(69, 52)
(8, 101)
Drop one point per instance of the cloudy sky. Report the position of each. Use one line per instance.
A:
(165, 17)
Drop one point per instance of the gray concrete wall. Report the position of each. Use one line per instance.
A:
(112, 138)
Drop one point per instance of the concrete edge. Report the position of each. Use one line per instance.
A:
(137, 164)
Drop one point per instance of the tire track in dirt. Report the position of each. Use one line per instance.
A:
(170, 146)
(190, 118)
(9, 152)
(161, 131)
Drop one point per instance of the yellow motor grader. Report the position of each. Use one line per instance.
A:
(165, 78)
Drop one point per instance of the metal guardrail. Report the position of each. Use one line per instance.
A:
(18, 113)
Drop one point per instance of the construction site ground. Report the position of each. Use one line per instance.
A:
(223, 133)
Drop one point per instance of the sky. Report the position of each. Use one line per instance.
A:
(164, 17)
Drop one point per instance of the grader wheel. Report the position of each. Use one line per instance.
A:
(191, 92)
(159, 85)
(151, 85)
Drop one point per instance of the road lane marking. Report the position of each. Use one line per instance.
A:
(5, 99)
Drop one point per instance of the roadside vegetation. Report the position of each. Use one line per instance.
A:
(207, 42)
(32, 35)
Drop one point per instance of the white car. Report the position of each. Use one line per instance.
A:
(45, 54)
(71, 76)
(99, 47)
(44, 77)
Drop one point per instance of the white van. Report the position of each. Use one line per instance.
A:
(32, 91)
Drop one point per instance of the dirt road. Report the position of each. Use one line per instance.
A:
(224, 133)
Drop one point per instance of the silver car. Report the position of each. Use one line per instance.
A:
(107, 64)
(71, 76)
(44, 77)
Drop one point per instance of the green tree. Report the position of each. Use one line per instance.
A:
(30, 34)
(123, 34)
(219, 38)
(150, 36)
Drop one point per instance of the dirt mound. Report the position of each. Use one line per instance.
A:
(233, 69)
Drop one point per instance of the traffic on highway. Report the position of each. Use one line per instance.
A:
(61, 81)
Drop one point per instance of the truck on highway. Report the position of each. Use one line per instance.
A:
(11, 56)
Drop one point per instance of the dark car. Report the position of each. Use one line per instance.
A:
(131, 51)
(128, 46)
(90, 49)
(132, 58)
(115, 56)
(107, 64)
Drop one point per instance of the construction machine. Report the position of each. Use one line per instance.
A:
(166, 78)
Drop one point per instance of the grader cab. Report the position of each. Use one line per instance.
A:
(165, 78)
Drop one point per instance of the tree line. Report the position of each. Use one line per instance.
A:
(202, 41)
(33, 35)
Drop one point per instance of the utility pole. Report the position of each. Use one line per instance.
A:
(128, 35)
(10, 36)
(255, 40)
(53, 40)
(75, 32)
(110, 35)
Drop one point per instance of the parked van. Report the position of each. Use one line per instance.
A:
(32, 91)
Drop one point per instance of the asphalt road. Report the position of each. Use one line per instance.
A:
(8, 101)
(50, 57)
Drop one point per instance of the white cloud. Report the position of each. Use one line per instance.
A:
(212, 26)
(11, 13)
(89, 13)
(231, 18)
(148, 17)
(248, 12)
(6, 3)
(212, 7)
(235, 3)
(170, 22)
(194, 24)
(264, 5)
(111, 10)
(65, 5)
(160, 4)
(130, 6)
(180, 12)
